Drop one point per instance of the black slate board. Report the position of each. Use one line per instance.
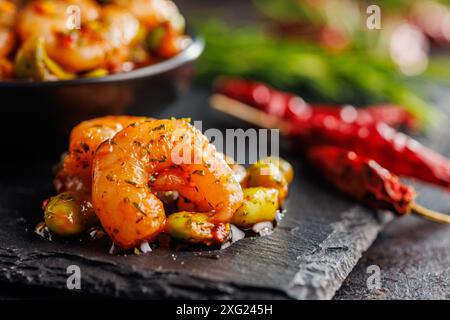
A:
(308, 256)
(413, 255)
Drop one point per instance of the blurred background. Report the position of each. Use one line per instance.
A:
(339, 51)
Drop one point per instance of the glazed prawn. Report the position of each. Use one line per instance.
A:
(163, 23)
(104, 44)
(76, 170)
(47, 17)
(7, 38)
(71, 211)
(103, 39)
(128, 209)
(152, 13)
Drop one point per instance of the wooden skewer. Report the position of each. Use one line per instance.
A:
(429, 214)
(261, 119)
(247, 113)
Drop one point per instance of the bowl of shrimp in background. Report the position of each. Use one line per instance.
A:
(64, 61)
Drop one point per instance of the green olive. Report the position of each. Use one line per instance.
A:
(67, 214)
(267, 175)
(284, 166)
(192, 227)
(260, 204)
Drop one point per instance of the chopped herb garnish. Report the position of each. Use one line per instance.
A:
(85, 146)
(162, 159)
(199, 172)
(131, 182)
(160, 127)
(137, 206)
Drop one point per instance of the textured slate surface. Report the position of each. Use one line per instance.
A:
(414, 260)
(413, 255)
(308, 256)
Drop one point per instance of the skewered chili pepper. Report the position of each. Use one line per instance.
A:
(362, 178)
(366, 181)
(394, 150)
(291, 107)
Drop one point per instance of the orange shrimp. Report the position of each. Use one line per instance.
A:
(152, 13)
(44, 17)
(125, 204)
(7, 36)
(7, 40)
(76, 172)
(101, 41)
(71, 211)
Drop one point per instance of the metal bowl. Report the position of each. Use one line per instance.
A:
(49, 109)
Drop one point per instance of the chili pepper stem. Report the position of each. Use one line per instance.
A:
(247, 113)
(429, 214)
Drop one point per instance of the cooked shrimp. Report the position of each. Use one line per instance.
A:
(71, 211)
(164, 24)
(47, 17)
(121, 26)
(105, 44)
(76, 172)
(79, 50)
(75, 50)
(103, 38)
(6, 69)
(191, 201)
(6, 41)
(128, 209)
(152, 13)
(7, 37)
(7, 13)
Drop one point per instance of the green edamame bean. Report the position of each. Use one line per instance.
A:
(260, 204)
(285, 167)
(194, 228)
(68, 215)
(267, 175)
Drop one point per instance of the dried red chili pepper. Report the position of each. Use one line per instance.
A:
(291, 107)
(392, 149)
(362, 178)
(366, 181)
